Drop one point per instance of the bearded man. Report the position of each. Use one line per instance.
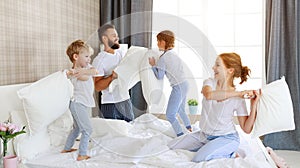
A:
(113, 106)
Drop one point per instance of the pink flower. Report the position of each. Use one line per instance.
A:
(16, 129)
(11, 127)
(7, 132)
(3, 127)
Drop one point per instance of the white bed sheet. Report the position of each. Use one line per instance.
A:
(291, 157)
(145, 146)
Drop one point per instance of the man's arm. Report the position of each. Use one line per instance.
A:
(102, 82)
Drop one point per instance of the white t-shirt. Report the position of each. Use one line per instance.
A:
(105, 63)
(217, 117)
(83, 91)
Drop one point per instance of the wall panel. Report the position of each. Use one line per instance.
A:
(34, 35)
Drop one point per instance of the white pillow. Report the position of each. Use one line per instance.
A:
(45, 100)
(135, 67)
(110, 127)
(128, 71)
(59, 129)
(26, 146)
(151, 86)
(275, 109)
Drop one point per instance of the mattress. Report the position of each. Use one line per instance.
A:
(143, 144)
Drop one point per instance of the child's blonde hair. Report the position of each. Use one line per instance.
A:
(77, 47)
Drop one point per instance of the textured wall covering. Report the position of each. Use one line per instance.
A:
(34, 35)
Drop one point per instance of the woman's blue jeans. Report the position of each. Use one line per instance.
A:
(207, 147)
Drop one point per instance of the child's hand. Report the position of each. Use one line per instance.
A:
(78, 72)
(151, 61)
(71, 72)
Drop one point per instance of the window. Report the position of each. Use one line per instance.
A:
(207, 28)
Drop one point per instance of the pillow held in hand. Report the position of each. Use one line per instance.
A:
(275, 109)
(45, 100)
(28, 147)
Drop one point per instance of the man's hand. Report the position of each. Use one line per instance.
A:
(114, 75)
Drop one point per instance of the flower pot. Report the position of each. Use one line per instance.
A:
(193, 109)
(10, 161)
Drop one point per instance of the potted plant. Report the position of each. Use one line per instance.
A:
(7, 132)
(193, 106)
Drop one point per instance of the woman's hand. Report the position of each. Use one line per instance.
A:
(255, 99)
(247, 94)
(247, 122)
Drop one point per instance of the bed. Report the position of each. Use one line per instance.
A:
(42, 107)
(114, 143)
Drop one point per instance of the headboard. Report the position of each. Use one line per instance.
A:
(9, 100)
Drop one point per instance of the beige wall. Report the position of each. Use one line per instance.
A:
(34, 35)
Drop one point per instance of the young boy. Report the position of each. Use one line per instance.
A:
(81, 77)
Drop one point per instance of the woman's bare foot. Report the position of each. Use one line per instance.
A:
(67, 151)
(279, 161)
(85, 157)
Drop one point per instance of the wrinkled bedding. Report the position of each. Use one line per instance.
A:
(143, 144)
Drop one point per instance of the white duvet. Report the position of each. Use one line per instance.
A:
(143, 144)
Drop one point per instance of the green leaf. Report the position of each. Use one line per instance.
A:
(192, 102)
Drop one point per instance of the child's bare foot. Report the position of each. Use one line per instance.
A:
(279, 161)
(190, 129)
(85, 157)
(67, 151)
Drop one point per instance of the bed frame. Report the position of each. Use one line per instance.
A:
(9, 101)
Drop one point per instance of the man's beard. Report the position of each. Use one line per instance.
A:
(113, 45)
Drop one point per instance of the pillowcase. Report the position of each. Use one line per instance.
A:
(26, 146)
(275, 109)
(135, 67)
(45, 100)
(59, 129)
(152, 87)
(128, 71)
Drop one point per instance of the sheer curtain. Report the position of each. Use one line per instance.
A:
(283, 59)
(133, 21)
